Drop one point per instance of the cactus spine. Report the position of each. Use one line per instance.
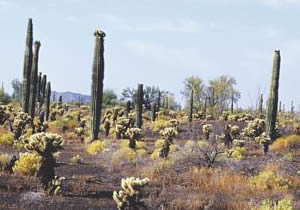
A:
(191, 106)
(48, 95)
(97, 83)
(34, 78)
(139, 106)
(273, 99)
(27, 68)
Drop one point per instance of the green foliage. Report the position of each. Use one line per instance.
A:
(96, 147)
(28, 164)
(109, 98)
(283, 204)
(6, 139)
(4, 97)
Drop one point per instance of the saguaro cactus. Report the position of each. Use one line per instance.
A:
(43, 90)
(97, 83)
(158, 101)
(34, 78)
(279, 106)
(60, 99)
(139, 106)
(38, 88)
(191, 106)
(27, 68)
(48, 95)
(261, 101)
(273, 100)
(153, 110)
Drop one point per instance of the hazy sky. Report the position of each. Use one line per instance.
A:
(157, 42)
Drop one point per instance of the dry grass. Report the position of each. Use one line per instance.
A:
(286, 144)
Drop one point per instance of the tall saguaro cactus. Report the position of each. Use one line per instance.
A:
(27, 68)
(261, 101)
(273, 99)
(38, 88)
(48, 98)
(34, 78)
(158, 101)
(97, 83)
(191, 106)
(43, 91)
(139, 106)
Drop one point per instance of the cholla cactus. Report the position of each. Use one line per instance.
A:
(234, 131)
(45, 145)
(233, 117)
(121, 127)
(174, 123)
(129, 196)
(168, 134)
(224, 116)
(107, 126)
(18, 126)
(80, 133)
(134, 134)
(246, 118)
(200, 115)
(55, 186)
(206, 130)
(3, 114)
(254, 128)
(53, 115)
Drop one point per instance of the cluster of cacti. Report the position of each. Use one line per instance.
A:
(167, 134)
(206, 130)
(129, 196)
(45, 145)
(200, 115)
(97, 84)
(80, 131)
(133, 134)
(3, 115)
(19, 123)
(174, 123)
(254, 128)
(122, 125)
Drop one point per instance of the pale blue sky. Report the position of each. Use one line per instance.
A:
(157, 42)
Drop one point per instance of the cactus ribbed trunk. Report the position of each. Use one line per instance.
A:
(261, 101)
(232, 102)
(139, 106)
(273, 98)
(191, 106)
(280, 106)
(48, 95)
(167, 102)
(128, 107)
(43, 91)
(153, 110)
(158, 101)
(34, 78)
(60, 99)
(97, 84)
(38, 88)
(27, 68)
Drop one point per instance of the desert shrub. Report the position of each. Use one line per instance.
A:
(268, 204)
(159, 143)
(269, 180)
(160, 124)
(236, 153)
(4, 161)
(28, 164)
(63, 125)
(127, 154)
(77, 159)
(286, 144)
(6, 138)
(96, 147)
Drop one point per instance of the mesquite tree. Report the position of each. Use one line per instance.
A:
(139, 106)
(97, 83)
(27, 68)
(34, 79)
(273, 100)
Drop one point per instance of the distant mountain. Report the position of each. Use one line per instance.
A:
(69, 97)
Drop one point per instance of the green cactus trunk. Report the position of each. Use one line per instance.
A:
(48, 98)
(97, 84)
(273, 98)
(167, 102)
(34, 78)
(27, 68)
(279, 106)
(261, 101)
(205, 105)
(128, 108)
(232, 103)
(191, 106)
(38, 88)
(153, 110)
(60, 100)
(43, 91)
(139, 106)
(158, 101)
